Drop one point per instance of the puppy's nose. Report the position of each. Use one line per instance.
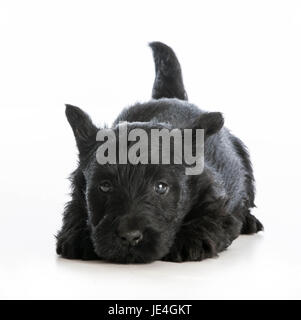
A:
(131, 237)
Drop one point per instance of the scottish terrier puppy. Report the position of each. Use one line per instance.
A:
(138, 213)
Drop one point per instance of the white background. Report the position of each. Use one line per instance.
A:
(242, 58)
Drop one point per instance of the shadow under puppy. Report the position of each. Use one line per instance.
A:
(140, 213)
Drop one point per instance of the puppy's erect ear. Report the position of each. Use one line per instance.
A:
(83, 128)
(211, 122)
(168, 82)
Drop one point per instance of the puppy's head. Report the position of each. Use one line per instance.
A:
(134, 210)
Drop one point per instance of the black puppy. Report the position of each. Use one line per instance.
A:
(140, 213)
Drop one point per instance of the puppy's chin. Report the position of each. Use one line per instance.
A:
(131, 257)
(127, 256)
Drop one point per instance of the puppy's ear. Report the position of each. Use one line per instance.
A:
(83, 128)
(211, 122)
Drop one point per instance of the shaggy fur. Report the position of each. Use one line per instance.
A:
(197, 218)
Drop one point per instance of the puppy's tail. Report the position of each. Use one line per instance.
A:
(168, 82)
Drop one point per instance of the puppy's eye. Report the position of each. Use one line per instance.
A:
(161, 187)
(106, 186)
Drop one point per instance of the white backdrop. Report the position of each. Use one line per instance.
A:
(242, 58)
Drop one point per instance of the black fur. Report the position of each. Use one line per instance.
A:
(197, 218)
(168, 82)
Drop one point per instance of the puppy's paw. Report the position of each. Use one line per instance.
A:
(251, 225)
(193, 251)
(75, 246)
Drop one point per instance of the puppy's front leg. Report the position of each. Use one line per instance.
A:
(73, 240)
(203, 238)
